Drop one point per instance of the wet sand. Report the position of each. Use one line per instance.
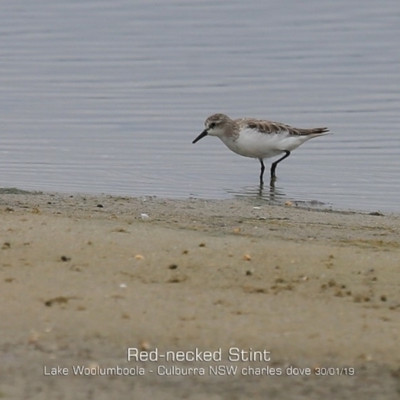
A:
(84, 278)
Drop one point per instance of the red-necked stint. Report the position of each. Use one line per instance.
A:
(257, 138)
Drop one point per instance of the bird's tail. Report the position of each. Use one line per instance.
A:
(314, 131)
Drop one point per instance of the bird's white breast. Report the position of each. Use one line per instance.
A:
(256, 144)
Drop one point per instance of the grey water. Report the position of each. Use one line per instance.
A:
(106, 97)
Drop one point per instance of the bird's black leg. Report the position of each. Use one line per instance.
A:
(262, 171)
(274, 164)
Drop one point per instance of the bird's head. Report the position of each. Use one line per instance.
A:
(215, 125)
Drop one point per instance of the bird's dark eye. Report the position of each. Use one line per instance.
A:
(212, 125)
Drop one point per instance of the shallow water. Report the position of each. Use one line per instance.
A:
(104, 97)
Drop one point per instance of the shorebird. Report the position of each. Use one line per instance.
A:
(258, 138)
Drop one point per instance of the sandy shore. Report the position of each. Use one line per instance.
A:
(84, 278)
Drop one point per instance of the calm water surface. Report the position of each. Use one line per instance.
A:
(106, 97)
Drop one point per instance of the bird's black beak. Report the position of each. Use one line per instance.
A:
(202, 134)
